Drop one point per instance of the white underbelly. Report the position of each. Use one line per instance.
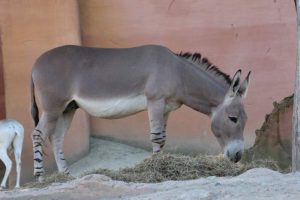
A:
(113, 108)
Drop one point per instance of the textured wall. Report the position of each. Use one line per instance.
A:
(2, 98)
(2, 94)
(274, 138)
(257, 35)
(28, 29)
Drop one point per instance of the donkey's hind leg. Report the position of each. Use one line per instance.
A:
(44, 129)
(156, 110)
(8, 164)
(57, 140)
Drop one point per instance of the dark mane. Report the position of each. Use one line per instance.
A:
(204, 63)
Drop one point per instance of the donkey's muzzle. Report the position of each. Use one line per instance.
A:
(236, 157)
(234, 150)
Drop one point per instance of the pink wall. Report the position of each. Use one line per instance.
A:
(257, 35)
(28, 29)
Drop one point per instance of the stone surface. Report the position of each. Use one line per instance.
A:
(108, 155)
(273, 139)
(258, 184)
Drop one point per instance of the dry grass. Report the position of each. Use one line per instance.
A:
(164, 167)
(49, 179)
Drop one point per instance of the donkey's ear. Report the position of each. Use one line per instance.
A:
(235, 85)
(244, 86)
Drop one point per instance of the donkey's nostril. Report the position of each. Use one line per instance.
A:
(227, 154)
(238, 156)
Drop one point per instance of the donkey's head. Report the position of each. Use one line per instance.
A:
(229, 119)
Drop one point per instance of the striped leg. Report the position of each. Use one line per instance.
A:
(57, 140)
(164, 135)
(37, 143)
(45, 127)
(156, 110)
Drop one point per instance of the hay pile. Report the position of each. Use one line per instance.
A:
(49, 179)
(164, 167)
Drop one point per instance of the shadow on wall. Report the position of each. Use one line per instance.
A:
(274, 138)
(2, 100)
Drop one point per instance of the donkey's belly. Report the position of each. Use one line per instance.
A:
(113, 108)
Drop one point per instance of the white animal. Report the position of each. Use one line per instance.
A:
(11, 138)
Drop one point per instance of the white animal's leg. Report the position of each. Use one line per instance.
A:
(18, 167)
(164, 135)
(8, 164)
(57, 140)
(156, 110)
(44, 129)
(18, 143)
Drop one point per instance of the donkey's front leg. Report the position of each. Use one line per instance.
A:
(164, 135)
(156, 110)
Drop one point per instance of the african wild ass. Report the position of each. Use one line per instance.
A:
(115, 83)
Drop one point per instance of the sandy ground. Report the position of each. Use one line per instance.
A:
(108, 155)
(257, 184)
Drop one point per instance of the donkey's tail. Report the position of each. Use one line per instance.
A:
(34, 108)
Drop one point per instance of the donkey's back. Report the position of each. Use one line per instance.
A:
(70, 60)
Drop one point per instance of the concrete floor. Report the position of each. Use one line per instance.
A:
(108, 155)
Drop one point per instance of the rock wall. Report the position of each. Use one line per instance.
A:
(273, 139)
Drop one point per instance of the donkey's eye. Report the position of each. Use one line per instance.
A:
(233, 119)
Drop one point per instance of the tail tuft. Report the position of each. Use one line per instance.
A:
(34, 108)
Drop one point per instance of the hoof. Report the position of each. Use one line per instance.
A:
(40, 179)
(2, 188)
(157, 152)
(156, 149)
(67, 171)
